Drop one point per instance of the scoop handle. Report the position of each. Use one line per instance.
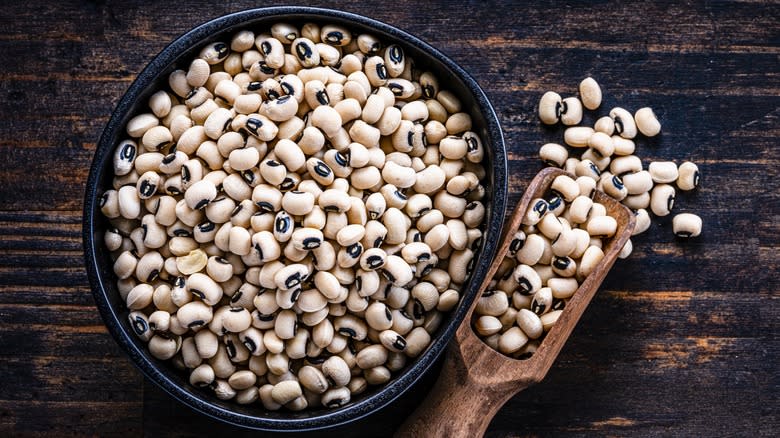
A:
(458, 405)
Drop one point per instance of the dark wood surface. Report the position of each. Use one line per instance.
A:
(682, 338)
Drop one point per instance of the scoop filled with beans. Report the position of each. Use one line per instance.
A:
(294, 214)
(561, 241)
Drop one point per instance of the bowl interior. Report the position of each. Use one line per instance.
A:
(178, 55)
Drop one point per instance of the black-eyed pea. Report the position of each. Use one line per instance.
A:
(124, 157)
(527, 279)
(336, 371)
(417, 341)
(415, 111)
(549, 319)
(511, 340)
(564, 266)
(149, 266)
(590, 259)
(625, 126)
(542, 301)
(397, 271)
(550, 108)
(577, 136)
(324, 256)
(264, 393)
(686, 225)
(272, 342)
(377, 376)
(646, 122)
(164, 347)
(140, 325)
(125, 200)
(602, 226)
(553, 154)
(206, 343)
(430, 179)
(394, 60)
(402, 89)
(286, 391)
(492, 303)
(662, 199)
(590, 92)
(550, 226)
(375, 71)
(602, 144)
(665, 172)
(458, 123)
(562, 288)
(138, 125)
(635, 202)
(530, 323)
(638, 182)
(204, 288)
(532, 250)
(487, 325)
(451, 206)
(571, 111)
(607, 126)
(688, 178)
(580, 209)
(613, 186)
(473, 214)
(371, 356)
(570, 165)
(177, 80)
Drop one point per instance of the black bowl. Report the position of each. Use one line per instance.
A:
(154, 76)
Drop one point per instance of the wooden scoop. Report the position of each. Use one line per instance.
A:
(476, 380)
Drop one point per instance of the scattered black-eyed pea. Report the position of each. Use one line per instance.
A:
(646, 122)
(590, 93)
(688, 178)
(550, 108)
(577, 136)
(553, 154)
(625, 126)
(571, 112)
(686, 225)
(662, 199)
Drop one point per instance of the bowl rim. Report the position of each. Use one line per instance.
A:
(413, 372)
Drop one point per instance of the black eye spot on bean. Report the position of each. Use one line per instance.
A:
(554, 202)
(128, 152)
(287, 184)
(558, 304)
(179, 282)
(198, 293)
(400, 194)
(265, 318)
(256, 85)
(341, 160)
(374, 261)
(181, 232)
(259, 251)
(617, 182)
(537, 307)
(202, 203)
(322, 169)
(250, 345)
(287, 89)
(670, 202)
(540, 207)
(322, 97)
(265, 46)
(103, 199)
(293, 280)
(282, 224)
(185, 174)
(196, 323)
(561, 262)
(140, 326)
(515, 245)
(418, 309)
(525, 286)
(282, 100)
(334, 37)
(355, 250)
(378, 241)
(399, 343)
(397, 89)
(428, 91)
(381, 71)
(303, 51)
(311, 242)
(348, 332)
(396, 54)
(264, 206)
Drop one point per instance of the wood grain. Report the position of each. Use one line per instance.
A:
(682, 337)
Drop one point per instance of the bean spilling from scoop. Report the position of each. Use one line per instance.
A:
(294, 215)
(560, 242)
(558, 246)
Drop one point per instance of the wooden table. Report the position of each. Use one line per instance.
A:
(682, 338)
